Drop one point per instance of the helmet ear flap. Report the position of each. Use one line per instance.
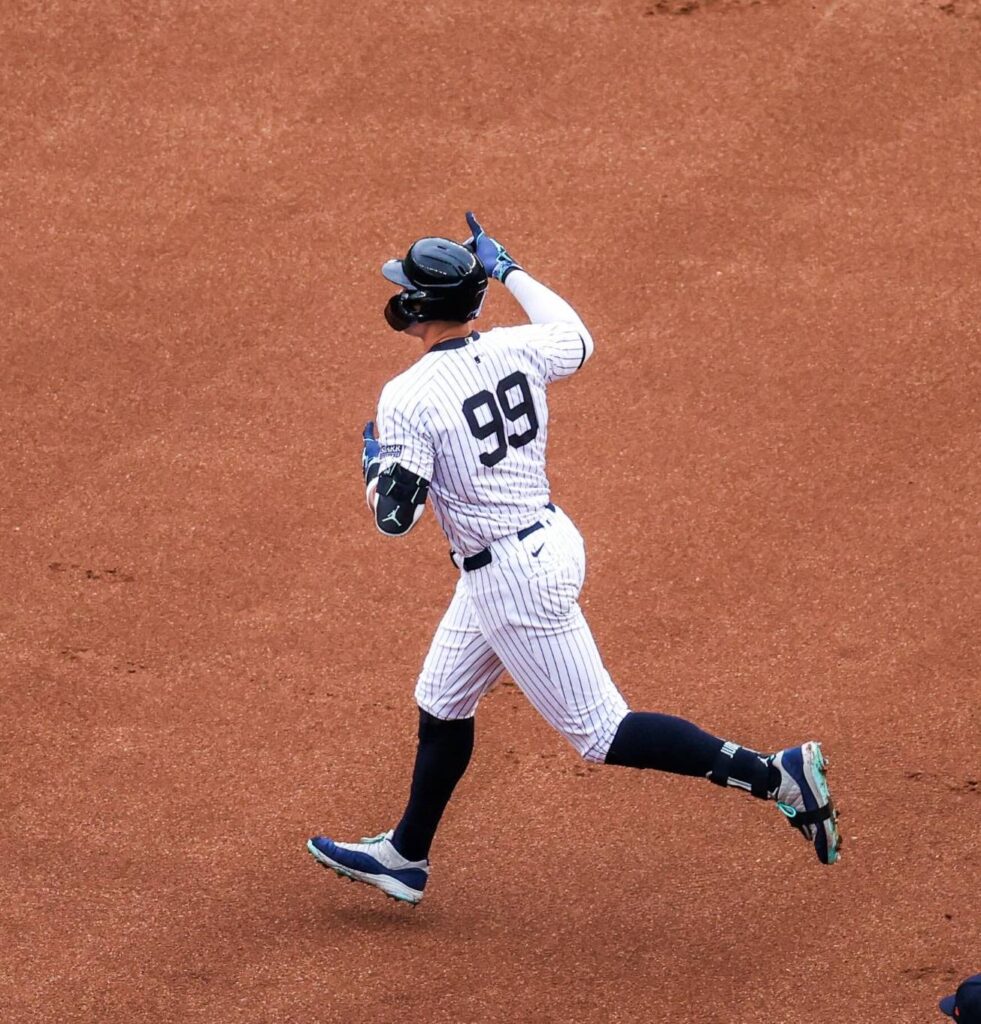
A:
(396, 315)
(406, 308)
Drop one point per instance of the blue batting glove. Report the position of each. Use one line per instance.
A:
(371, 452)
(497, 261)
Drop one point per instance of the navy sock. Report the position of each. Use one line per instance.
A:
(441, 759)
(647, 739)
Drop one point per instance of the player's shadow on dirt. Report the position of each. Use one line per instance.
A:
(343, 907)
(379, 913)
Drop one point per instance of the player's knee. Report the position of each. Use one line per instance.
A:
(597, 745)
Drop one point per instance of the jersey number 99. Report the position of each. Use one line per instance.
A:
(493, 412)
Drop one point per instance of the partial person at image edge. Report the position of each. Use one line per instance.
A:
(965, 1004)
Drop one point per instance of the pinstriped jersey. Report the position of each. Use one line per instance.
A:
(471, 417)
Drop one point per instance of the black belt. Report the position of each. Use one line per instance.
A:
(482, 558)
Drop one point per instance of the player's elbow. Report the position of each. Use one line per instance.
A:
(388, 530)
(397, 521)
(399, 500)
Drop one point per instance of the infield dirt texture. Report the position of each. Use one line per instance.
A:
(767, 213)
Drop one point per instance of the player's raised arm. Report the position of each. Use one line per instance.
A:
(539, 302)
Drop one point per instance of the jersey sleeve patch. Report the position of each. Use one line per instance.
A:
(402, 432)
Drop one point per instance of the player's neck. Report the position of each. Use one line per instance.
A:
(435, 331)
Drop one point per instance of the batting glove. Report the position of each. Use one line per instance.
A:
(370, 453)
(497, 261)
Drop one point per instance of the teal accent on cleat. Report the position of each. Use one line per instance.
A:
(805, 801)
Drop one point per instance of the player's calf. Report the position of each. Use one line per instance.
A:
(794, 778)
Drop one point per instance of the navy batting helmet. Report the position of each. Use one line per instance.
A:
(440, 280)
(965, 1004)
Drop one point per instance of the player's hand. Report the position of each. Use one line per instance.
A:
(371, 449)
(497, 261)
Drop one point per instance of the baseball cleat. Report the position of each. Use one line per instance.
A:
(376, 862)
(804, 798)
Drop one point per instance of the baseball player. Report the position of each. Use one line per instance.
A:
(465, 429)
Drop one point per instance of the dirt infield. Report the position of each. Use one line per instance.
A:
(768, 214)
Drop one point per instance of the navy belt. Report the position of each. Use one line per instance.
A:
(482, 558)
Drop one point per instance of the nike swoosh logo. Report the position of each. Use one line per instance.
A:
(535, 554)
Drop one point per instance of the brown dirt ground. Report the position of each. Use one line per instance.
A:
(768, 214)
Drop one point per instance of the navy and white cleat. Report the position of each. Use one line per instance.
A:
(804, 798)
(376, 862)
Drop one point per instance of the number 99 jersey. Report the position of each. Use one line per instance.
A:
(471, 417)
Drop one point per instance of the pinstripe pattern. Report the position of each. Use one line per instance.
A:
(521, 612)
(420, 414)
(461, 665)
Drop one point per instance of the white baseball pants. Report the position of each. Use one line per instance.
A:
(521, 613)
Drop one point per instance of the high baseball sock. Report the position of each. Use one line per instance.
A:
(647, 739)
(441, 759)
